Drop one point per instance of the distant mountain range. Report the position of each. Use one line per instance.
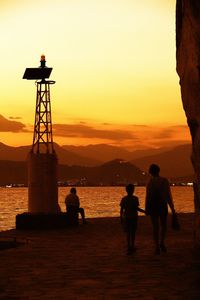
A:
(104, 152)
(100, 163)
(173, 163)
(116, 172)
(13, 172)
(65, 157)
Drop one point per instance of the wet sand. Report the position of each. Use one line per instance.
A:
(90, 262)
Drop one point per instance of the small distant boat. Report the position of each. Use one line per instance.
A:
(8, 185)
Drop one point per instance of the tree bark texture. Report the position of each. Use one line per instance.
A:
(188, 69)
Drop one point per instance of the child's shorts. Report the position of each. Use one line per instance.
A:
(130, 225)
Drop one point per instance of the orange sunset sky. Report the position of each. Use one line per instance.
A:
(114, 66)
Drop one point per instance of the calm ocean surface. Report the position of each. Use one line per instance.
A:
(97, 201)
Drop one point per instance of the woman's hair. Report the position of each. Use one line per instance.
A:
(154, 169)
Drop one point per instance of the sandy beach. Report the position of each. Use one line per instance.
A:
(90, 262)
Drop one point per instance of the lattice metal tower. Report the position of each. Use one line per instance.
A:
(42, 136)
(42, 159)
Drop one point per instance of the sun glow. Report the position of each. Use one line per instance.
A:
(113, 60)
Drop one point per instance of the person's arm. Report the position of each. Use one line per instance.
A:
(141, 210)
(147, 198)
(138, 208)
(121, 211)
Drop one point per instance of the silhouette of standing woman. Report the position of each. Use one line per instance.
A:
(158, 197)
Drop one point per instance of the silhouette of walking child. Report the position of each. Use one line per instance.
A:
(158, 197)
(129, 216)
(73, 204)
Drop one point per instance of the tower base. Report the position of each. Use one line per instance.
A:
(42, 183)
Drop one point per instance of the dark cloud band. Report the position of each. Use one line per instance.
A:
(85, 131)
(11, 126)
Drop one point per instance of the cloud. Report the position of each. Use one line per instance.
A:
(15, 118)
(11, 126)
(166, 133)
(168, 136)
(140, 125)
(172, 132)
(131, 136)
(85, 131)
(106, 124)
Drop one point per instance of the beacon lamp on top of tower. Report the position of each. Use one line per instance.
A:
(42, 72)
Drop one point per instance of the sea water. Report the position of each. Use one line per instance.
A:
(97, 201)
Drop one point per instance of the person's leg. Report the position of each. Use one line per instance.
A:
(82, 212)
(128, 235)
(133, 232)
(131, 225)
(163, 222)
(132, 240)
(72, 212)
(155, 224)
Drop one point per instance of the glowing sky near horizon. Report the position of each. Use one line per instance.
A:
(113, 62)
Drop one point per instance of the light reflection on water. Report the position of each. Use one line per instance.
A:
(97, 201)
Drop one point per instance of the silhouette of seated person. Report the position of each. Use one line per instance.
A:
(73, 204)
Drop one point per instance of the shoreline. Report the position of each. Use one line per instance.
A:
(17, 186)
(90, 262)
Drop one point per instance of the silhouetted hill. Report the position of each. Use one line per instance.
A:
(64, 156)
(111, 173)
(104, 153)
(120, 171)
(148, 152)
(13, 153)
(174, 163)
(116, 172)
(13, 172)
(70, 158)
(93, 155)
(100, 152)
